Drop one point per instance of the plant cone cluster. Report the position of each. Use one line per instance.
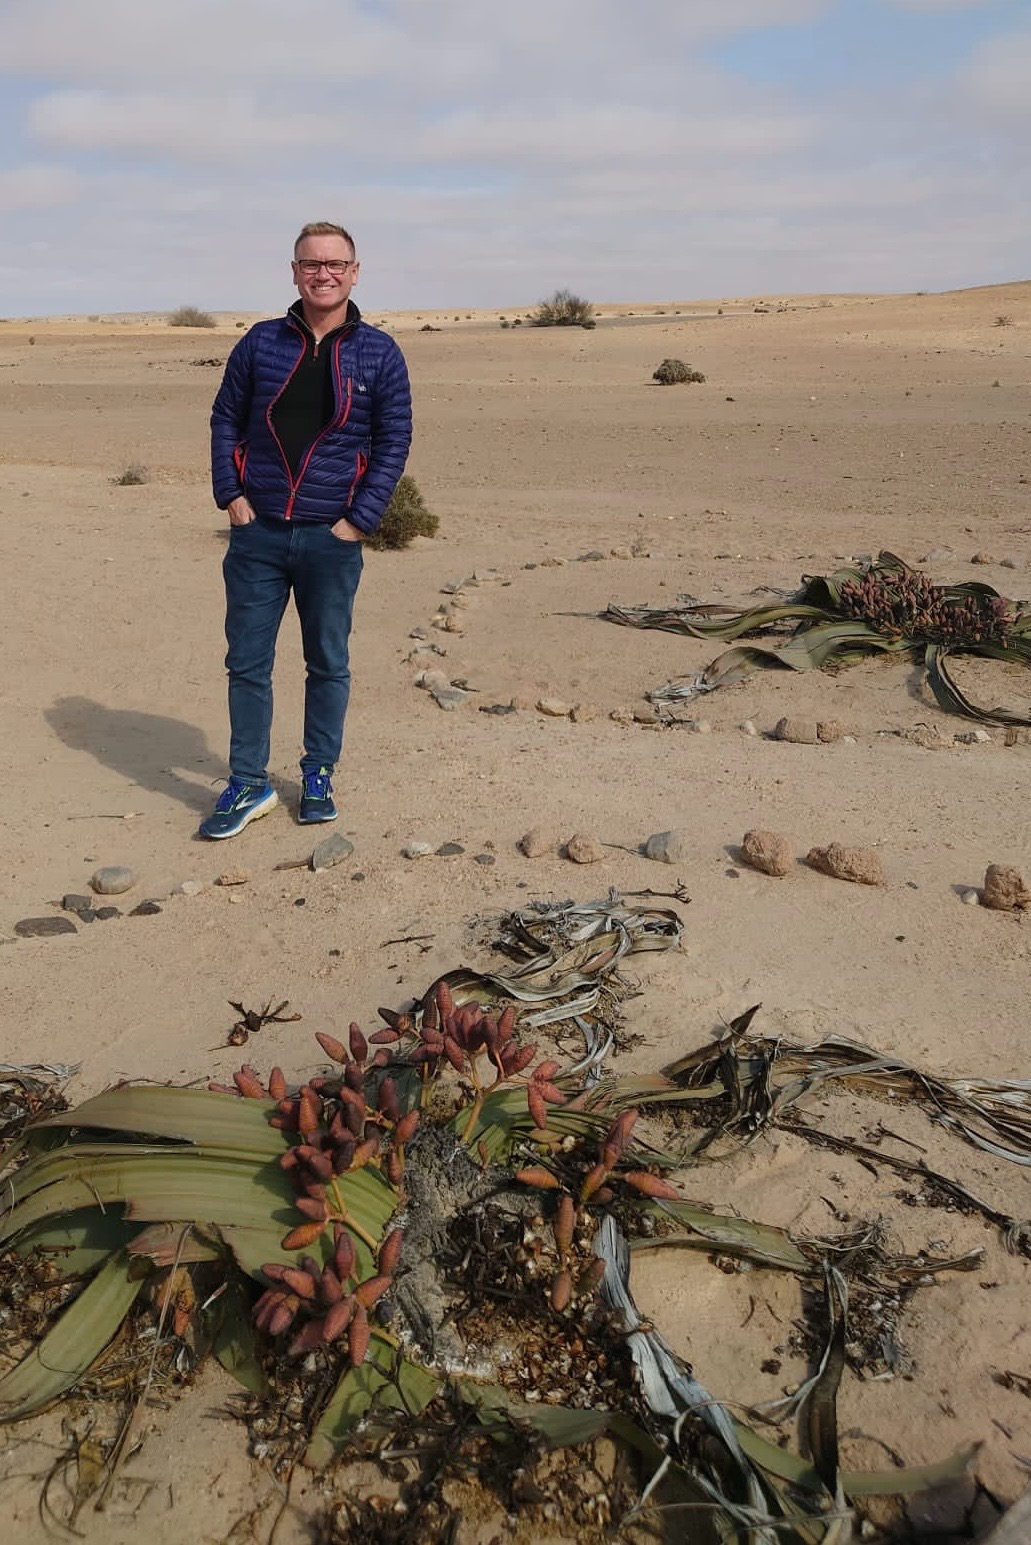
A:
(594, 1189)
(907, 605)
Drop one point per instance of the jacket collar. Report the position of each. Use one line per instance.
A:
(295, 314)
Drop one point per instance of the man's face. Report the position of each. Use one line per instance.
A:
(324, 288)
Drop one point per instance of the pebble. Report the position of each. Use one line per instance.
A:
(146, 909)
(497, 708)
(486, 859)
(1005, 889)
(859, 865)
(538, 842)
(583, 848)
(43, 927)
(666, 847)
(554, 707)
(331, 850)
(103, 914)
(973, 738)
(415, 849)
(748, 728)
(554, 563)
(645, 715)
(768, 852)
(829, 730)
(1008, 563)
(419, 633)
(800, 732)
(450, 850)
(449, 698)
(189, 888)
(431, 678)
(233, 877)
(112, 880)
(73, 903)
(584, 713)
(971, 898)
(620, 552)
(982, 557)
(594, 556)
(937, 555)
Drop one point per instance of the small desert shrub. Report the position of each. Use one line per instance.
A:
(190, 316)
(674, 372)
(564, 309)
(406, 517)
(134, 474)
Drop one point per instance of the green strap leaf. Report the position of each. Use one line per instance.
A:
(72, 1345)
(385, 1382)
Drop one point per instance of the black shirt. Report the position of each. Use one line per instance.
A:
(307, 402)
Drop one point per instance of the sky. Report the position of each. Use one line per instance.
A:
(158, 153)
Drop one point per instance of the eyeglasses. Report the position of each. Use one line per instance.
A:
(311, 266)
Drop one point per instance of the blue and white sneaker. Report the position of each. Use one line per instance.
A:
(237, 806)
(317, 799)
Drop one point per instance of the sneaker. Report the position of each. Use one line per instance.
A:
(317, 798)
(238, 805)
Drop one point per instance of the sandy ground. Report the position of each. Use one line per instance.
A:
(826, 428)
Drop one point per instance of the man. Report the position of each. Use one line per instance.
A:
(309, 435)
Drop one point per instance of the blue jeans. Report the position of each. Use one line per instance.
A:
(265, 561)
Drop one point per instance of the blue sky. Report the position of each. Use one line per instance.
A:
(156, 154)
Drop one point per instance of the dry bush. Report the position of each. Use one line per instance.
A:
(406, 517)
(190, 316)
(564, 309)
(134, 474)
(674, 372)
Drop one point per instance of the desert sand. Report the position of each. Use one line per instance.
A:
(827, 428)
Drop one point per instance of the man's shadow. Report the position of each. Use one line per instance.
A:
(147, 749)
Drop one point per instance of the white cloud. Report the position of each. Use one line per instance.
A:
(37, 187)
(998, 79)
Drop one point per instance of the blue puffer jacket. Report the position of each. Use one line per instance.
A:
(352, 466)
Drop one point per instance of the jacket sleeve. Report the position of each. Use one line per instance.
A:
(229, 416)
(391, 439)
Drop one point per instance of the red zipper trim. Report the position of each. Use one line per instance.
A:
(361, 466)
(337, 423)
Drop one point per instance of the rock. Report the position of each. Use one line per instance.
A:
(622, 716)
(801, 732)
(937, 555)
(1004, 889)
(1008, 563)
(971, 898)
(666, 847)
(104, 914)
(449, 698)
(112, 880)
(620, 552)
(554, 707)
(538, 842)
(497, 708)
(415, 849)
(769, 852)
(450, 850)
(829, 730)
(486, 859)
(73, 903)
(433, 679)
(189, 888)
(331, 850)
(646, 715)
(43, 927)
(583, 848)
(419, 633)
(553, 563)
(982, 557)
(461, 600)
(584, 713)
(594, 556)
(88, 916)
(146, 908)
(234, 877)
(927, 737)
(860, 865)
(748, 728)
(973, 738)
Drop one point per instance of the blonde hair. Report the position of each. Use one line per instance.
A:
(324, 228)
